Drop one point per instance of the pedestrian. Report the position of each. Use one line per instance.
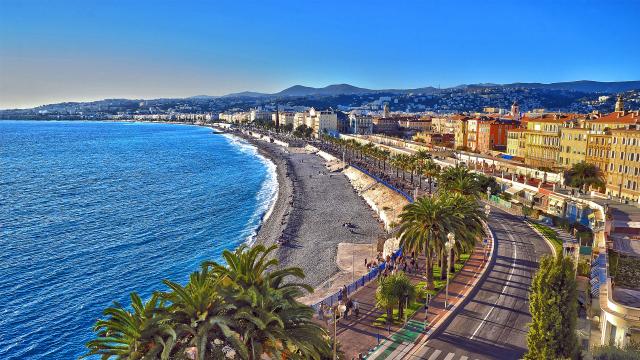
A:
(344, 292)
(349, 307)
(356, 308)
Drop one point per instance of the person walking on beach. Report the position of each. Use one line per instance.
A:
(356, 308)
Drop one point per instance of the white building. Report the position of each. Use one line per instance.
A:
(285, 118)
(322, 121)
(260, 114)
(360, 124)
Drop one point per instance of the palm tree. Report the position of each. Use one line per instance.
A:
(267, 316)
(460, 180)
(467, 224)
(200, 315)
(431, 170)
(424, 223)
(395, 289)
(133, 334)
(583, 175)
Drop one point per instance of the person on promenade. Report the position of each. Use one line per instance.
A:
(356, 308)
(348, 308)
(344, 292)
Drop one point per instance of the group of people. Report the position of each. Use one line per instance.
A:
(408, 264)
(350, 307)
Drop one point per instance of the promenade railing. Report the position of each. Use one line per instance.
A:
(351, 288)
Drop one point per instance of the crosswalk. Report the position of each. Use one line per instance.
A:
(406, 351)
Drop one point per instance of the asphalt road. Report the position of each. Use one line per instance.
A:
(492, 324)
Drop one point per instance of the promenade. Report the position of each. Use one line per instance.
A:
(360, 336)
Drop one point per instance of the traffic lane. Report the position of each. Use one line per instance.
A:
(497, 309)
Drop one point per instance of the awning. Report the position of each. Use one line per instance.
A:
(513, 190)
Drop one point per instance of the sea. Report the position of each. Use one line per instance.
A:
(91, 211)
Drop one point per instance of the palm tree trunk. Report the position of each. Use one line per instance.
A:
(452, 266)
(400, 308)
(443, 265)
(389, 315)
(428, 266)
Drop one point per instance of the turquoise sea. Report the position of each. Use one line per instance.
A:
(90, 211)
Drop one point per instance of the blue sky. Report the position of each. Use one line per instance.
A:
(62, 50)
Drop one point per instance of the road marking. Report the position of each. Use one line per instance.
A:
(513, 266)
(450, 356)
(435, 355)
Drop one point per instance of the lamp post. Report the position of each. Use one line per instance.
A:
(337, 308)
(487, 211)
(449, 245)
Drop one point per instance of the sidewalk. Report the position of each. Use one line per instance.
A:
(401, 343)
(361, 336)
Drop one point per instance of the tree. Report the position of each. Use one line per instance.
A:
(611, 352)
(132, 334)
(554, 309)
(247, 307)
(395, 290)
(267, 316)
(460, 180)
(583, 175)
(431, 170)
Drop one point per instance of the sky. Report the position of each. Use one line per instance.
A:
(63, 50)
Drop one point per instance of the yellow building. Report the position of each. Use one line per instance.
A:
(598, 149)
(460, 131)
(623, 175)
(542, 141)
(573, 146)
(516, 142)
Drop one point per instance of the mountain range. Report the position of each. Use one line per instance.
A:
(586, 86)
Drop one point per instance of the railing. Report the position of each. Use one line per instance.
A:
(383, 182)
(351, 288)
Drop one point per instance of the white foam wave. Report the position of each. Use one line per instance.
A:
(267, 196)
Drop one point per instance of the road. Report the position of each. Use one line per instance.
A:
(492, 324)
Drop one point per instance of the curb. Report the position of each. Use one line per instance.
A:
(549, 243)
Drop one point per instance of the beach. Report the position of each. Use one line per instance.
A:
(312, 207)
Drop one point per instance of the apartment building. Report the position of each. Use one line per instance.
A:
(325, 121)
(284, 118)
(360, 124)
(573, 146)
(460, 132)
(516, 143)
(598, 150)
(542, 140)
(623, 175)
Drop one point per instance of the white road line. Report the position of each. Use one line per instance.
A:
(513, 266)
(450, 356)
(435, 355)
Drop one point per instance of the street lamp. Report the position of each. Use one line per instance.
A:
(449, 245)
(487, 211)
(342, 309)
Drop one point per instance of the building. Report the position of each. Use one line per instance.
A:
(516, 143)
(259, 115)
(415, 124)
(325, 121)
(385, 125)
(598, 150)
(515, 111)
(623, 174)
(299, 119)
(498, 130)
(360, 124)
(434, 138)
(573, 146)
(460, 131)
(542, 140)
(443, 124)
(284, 118)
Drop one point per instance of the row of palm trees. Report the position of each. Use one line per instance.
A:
(426, 223)
(246, 309)
(420, 165)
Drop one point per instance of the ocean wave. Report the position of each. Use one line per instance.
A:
(267, 196)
